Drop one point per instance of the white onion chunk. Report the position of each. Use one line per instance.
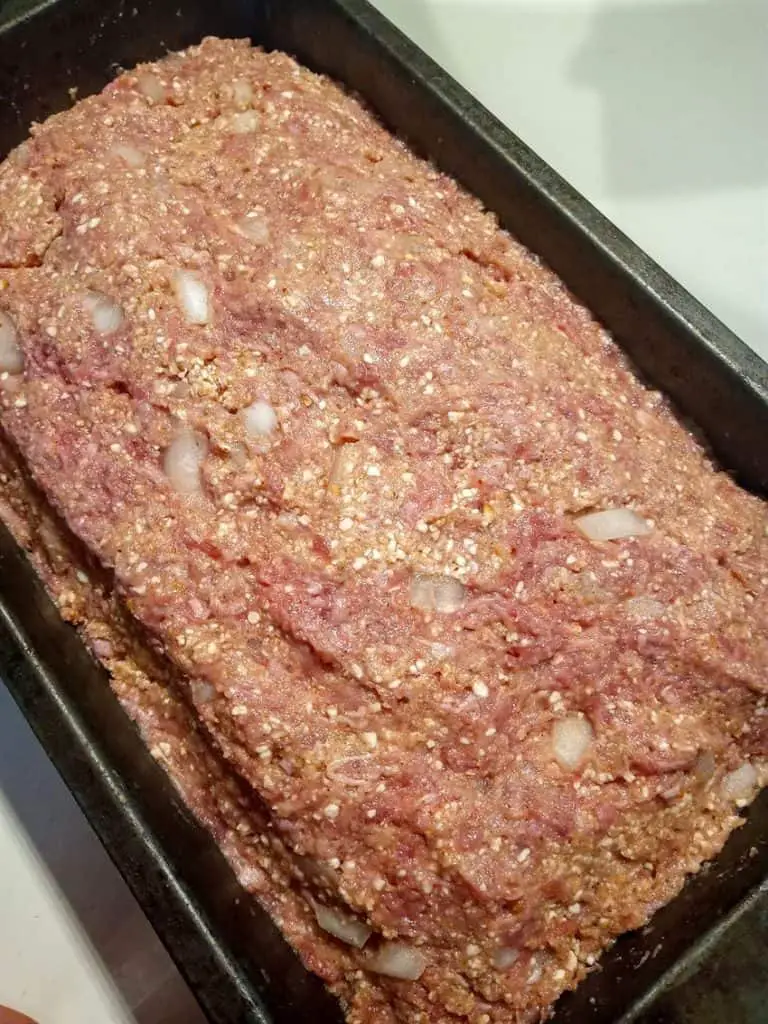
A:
(151, 87)
(132, 156)
(254, 227)
(242, 93)
(572, 738)
(434, 593)
(260, 418)
(106, 314)
(341, 467)
(11, 355)
(613, 524)
(505, 957)
(342, 926)
(183, 461)
(202, 692)
(193, 296)
(740, 784)
(244, 122)
(397, 960)
(705, 766)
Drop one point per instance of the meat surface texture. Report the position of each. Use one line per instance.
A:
(441, 621)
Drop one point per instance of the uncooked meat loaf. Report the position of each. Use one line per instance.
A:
(440, 620)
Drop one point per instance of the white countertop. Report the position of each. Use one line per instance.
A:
(655, 111)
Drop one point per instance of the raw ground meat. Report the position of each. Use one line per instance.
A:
(303, 443)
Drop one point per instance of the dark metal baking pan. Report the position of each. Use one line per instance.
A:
(229, 951)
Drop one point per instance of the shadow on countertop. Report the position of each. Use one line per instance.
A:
(646, 57)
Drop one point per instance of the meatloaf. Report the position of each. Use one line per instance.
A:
(440, 620)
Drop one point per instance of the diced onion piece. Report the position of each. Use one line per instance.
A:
(342, 926)
(740, 785)
(645, 608)
(442, 652)
(102, 648)
(422, 593)
(193, 297)
(21, 155)
(350, 771)
(260, 418)
(536, 965)
(341, 467)
(449, 595)
(704, 768)
(132, 156)
(106, 314)
(11, 356)
(254, 227)
(572, 738)
(244, 122)
(151, 87)
(242, 93)
(183, 460)
(505, 957)
(202, 693)
(437, 593)
(613, 524)
(397, 960)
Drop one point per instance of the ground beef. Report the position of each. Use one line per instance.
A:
(306, 445)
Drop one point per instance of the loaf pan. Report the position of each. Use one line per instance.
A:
(226, 947)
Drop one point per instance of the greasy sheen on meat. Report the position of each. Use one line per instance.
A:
(444, 625)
